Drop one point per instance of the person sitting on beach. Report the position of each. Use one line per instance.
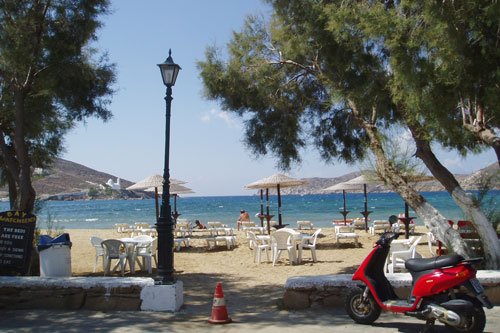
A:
(199, 225)
(244, 217)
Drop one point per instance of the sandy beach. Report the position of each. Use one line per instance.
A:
(198, 264)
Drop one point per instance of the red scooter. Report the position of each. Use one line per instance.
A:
(434, 292)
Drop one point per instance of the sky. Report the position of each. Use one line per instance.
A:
(206, 143)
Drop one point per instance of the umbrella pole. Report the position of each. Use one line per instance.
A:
(267, 201)
(279, 206)
(267, 213)
(366, 208)
(407, 222)
(261, 207)
(175, 203)
(345, 212)
(365, 213)
(157, 208)
(343, 194)
(175, 214)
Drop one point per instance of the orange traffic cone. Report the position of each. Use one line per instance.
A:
(219, 311)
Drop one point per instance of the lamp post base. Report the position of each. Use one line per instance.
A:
(168, 298)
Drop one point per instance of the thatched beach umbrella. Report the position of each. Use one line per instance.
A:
(342, 186)
(363, 181)
(372, 178)
(175, 190)
(277, 181)
(154, 181)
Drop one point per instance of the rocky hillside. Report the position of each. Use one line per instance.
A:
(67, 180)
(66, 177)
(468, 182)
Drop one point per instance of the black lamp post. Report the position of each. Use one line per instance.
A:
(165, 224)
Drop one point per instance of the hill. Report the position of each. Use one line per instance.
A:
(69, 180)
(468, 182)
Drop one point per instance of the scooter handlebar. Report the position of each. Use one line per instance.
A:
(386, 238)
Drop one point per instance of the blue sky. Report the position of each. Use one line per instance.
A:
(206, 147)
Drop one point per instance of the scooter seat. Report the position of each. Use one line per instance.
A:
(424, 264)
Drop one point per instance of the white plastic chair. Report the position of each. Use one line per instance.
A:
(114, 249)
(281, 241)
(398, 258)
(310, 246)
(99, 251)
(249, 226)
(148, 252)
(431, 241)
(258, 247)
(142, 246)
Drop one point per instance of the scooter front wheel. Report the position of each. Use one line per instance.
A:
(361, 310)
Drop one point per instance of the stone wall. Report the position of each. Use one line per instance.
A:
(302, 292)
(73, 293)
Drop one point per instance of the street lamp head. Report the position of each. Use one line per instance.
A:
(169, 70)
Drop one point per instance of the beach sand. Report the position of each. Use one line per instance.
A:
(248, 284)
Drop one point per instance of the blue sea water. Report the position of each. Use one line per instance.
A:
(321, 209)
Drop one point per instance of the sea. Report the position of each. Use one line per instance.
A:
(320, 209)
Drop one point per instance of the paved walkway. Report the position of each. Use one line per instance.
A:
(313, 320)
(251, 310)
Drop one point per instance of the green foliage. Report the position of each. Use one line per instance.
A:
(441, 54)
(281, 81)
(92, 192)
(292, 78)
(108, 191)
(400, 152)
(488, 200)
(50, 78)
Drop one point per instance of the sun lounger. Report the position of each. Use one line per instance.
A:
(346, 232)
(304, 224)
(378, 225)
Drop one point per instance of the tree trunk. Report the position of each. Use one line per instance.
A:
(487, 136)
(467, 202)
(11, 172)
(26, 191)
(433, 219)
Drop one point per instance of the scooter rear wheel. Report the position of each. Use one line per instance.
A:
(361, 311)
(474, 322)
